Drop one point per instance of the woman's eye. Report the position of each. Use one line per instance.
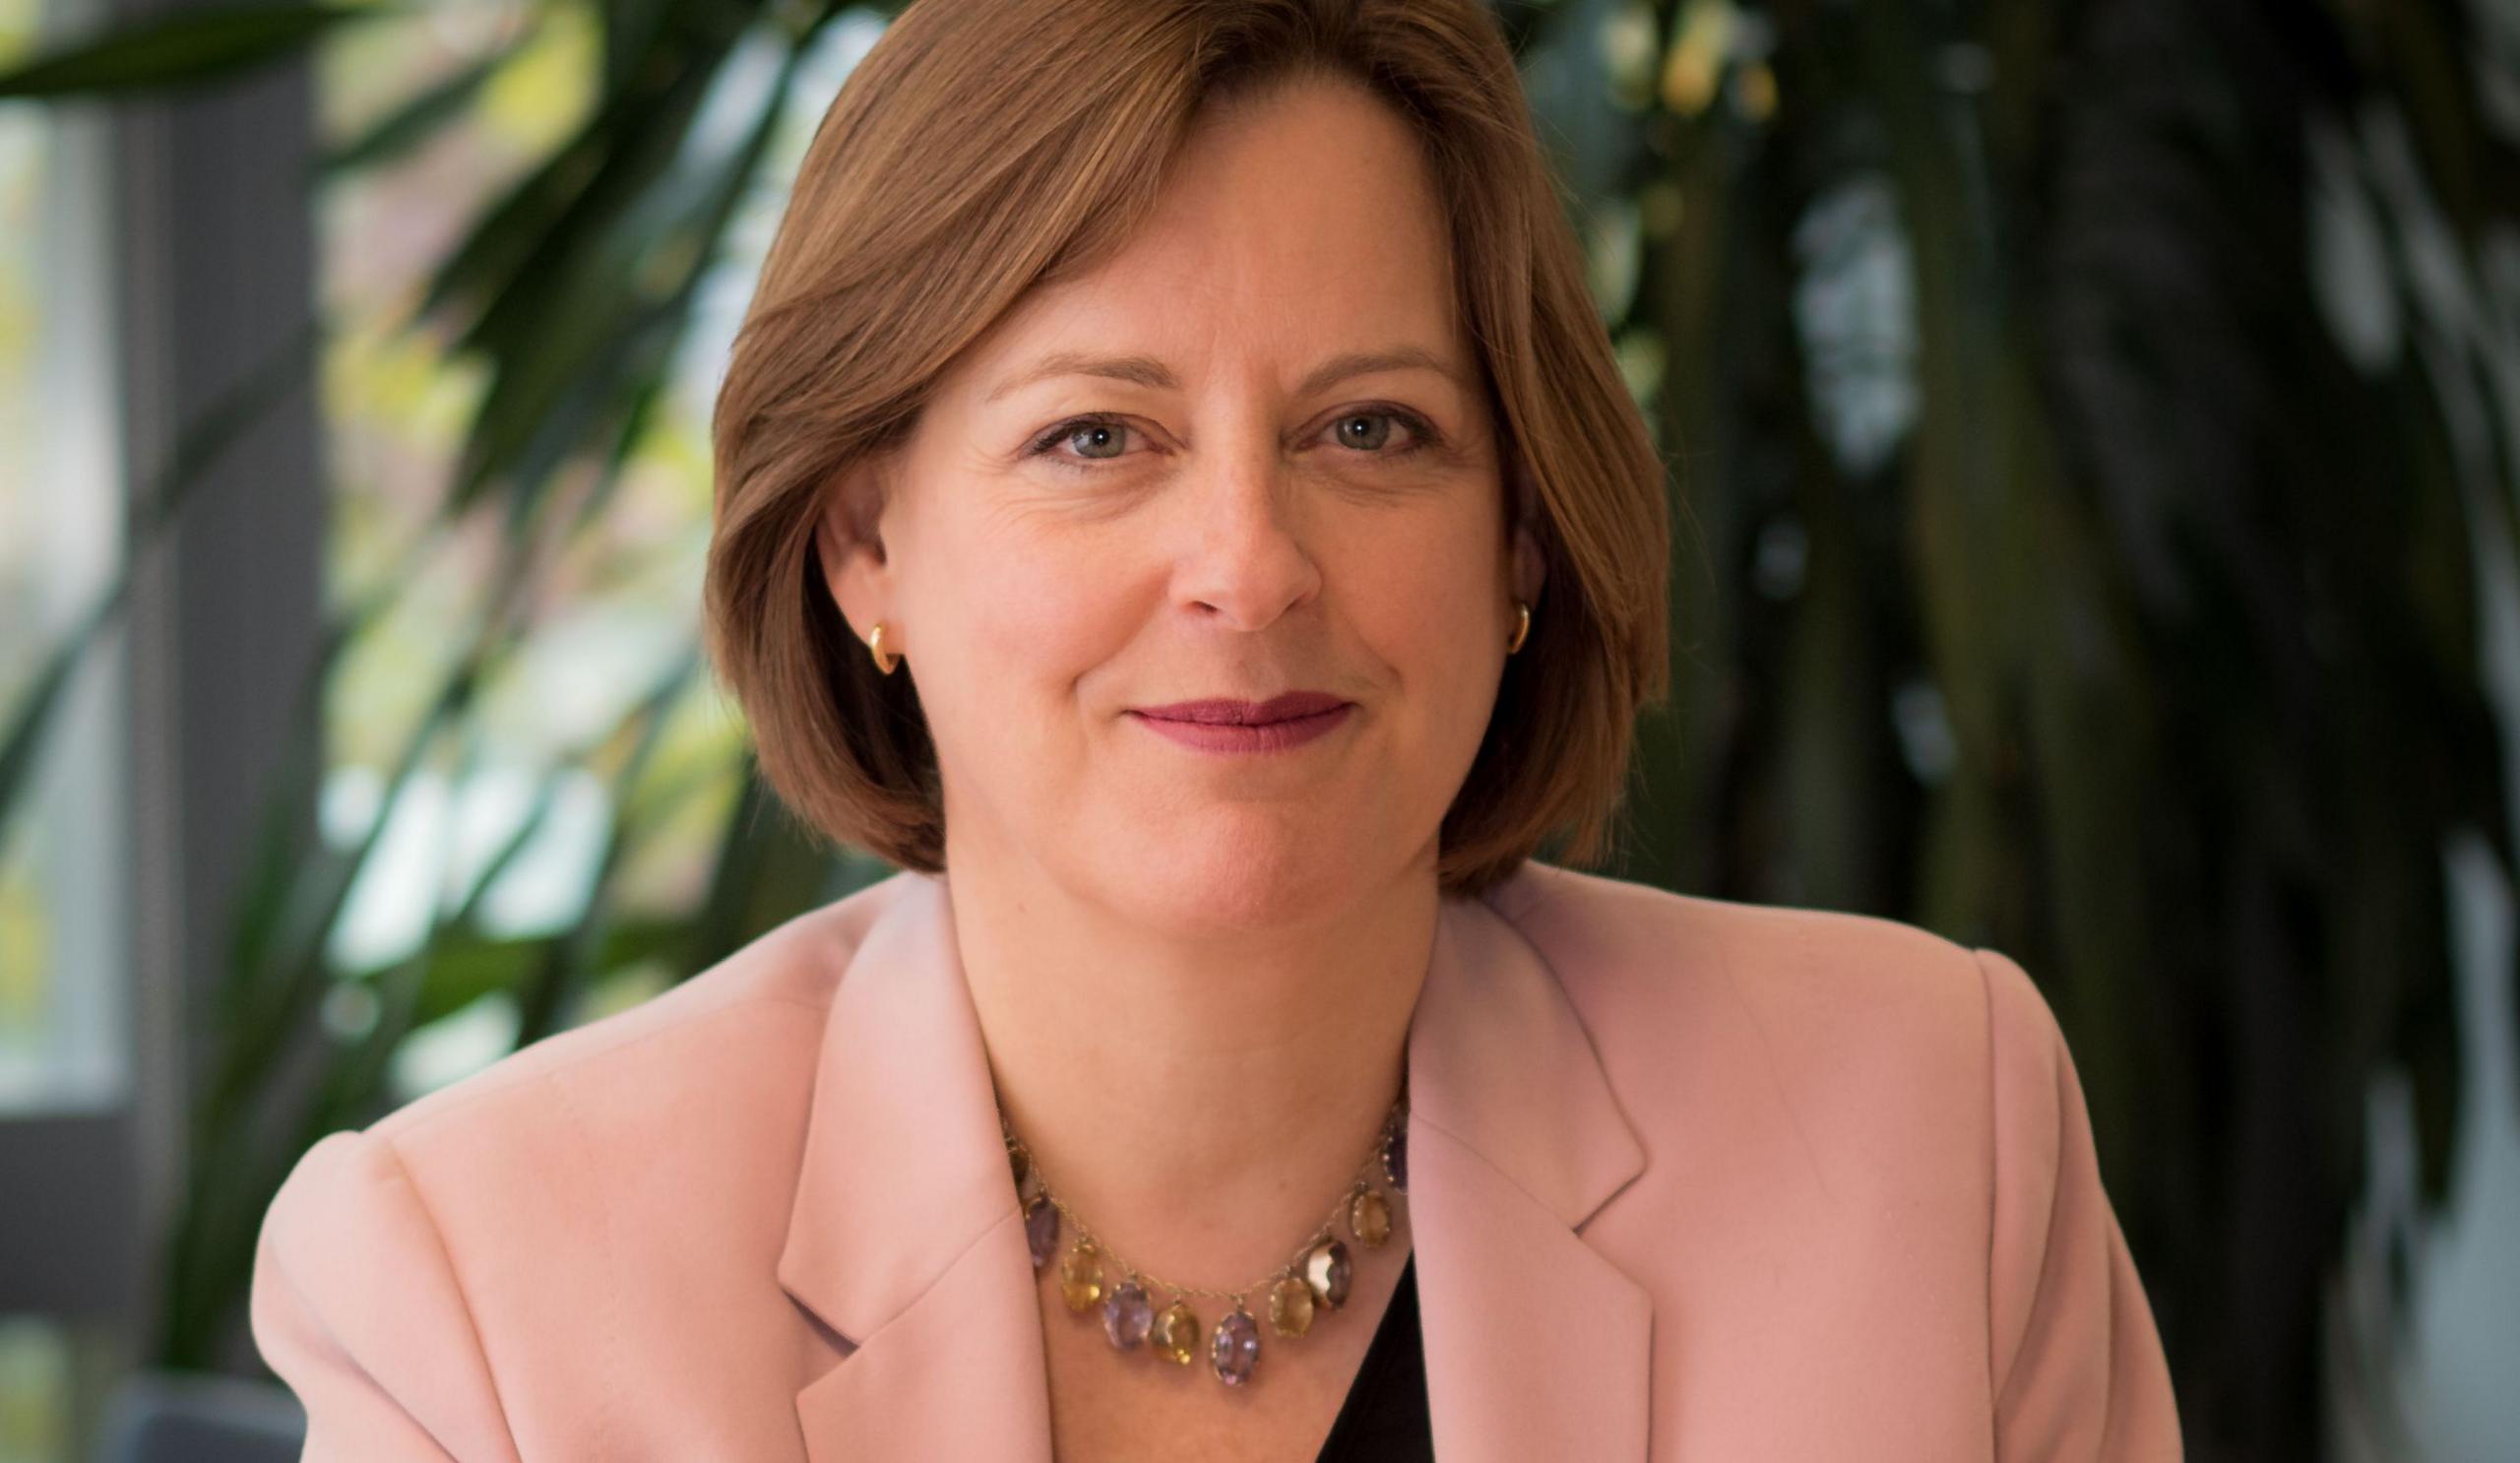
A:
(1375, 429)
(1095, 438)
(1088, 439)
(1369, 432)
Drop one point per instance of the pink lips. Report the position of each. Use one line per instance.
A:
(1224, 725)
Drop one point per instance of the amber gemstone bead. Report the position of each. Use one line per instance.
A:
(1177, 1333)
(1291, 1307)
(1369, 1218)
(1081, 1276)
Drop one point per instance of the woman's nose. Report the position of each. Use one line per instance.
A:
(1244, 559)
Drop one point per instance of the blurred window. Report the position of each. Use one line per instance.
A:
(62, 903)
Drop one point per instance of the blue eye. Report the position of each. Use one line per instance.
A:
(1090, 434)
(1101, 429)
(1371, 439)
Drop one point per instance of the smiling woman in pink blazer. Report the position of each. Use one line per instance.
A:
(1202, 402)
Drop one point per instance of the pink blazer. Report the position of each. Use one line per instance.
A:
(1688, 1179)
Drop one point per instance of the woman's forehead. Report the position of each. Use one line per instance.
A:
(1292, 229)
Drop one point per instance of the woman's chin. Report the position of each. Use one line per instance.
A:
(1241, 877)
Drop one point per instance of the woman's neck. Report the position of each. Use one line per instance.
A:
(1201, 1099)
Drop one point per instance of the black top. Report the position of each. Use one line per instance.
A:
(1384, 1419)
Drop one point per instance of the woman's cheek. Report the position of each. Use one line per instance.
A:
(1431, 600)
(1047, 607)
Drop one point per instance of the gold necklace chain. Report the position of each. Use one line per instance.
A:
(1393, 1123)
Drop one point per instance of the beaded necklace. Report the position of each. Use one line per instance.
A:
(1316, 1280)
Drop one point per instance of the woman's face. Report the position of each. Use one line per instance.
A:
(1250, 455)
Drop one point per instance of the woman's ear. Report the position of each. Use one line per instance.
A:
(1531, 566)
(1529, 569)
(848, 542)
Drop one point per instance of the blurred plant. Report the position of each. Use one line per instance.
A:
(2096, 429)
(570, 293)
(2085, 573)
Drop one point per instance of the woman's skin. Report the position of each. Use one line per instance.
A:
(1194, 970)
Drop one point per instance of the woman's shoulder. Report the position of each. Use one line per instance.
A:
(498, 1215)
(1855, 1117)
(1614, 940)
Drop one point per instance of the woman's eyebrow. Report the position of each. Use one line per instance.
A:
(1146, 370)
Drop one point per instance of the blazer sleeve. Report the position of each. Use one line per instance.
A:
(356, 1305)
(2077, 1365)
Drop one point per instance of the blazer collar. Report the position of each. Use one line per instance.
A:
(905, 1237)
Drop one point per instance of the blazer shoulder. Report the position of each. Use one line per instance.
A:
(1616, 941)
(1925, 1089)
(1871, 1029)
(404, 1271)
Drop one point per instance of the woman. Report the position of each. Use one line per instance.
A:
(1176, 500)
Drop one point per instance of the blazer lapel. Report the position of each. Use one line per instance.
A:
(904, 1238)
(1537, 1346)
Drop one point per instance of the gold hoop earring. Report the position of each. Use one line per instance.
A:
(885, 660)
(1522, 629)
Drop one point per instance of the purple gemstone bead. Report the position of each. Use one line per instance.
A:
(1235, 1348)
(1041, 1229)
(1127, 1315)
(1395, 1159)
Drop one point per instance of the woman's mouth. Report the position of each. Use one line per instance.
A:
(1279, 723)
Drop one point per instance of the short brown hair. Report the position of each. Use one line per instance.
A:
(984, 146)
